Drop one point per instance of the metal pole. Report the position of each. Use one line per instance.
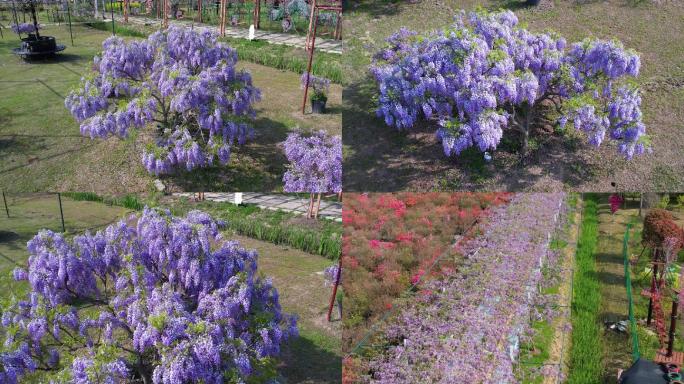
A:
(653, 288)
(61, 212)
(334, 292)
(311, 53)
(16, 17)
(4, 200)
(32, 7)
(69, 15)
(673, 326)
(111, 6)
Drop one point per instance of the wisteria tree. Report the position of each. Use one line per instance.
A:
(150, 299)
(315, 163)
(486, 74)
(315, 166)
(183, 82)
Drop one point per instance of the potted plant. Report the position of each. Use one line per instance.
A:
(319, 89)
(34, 45)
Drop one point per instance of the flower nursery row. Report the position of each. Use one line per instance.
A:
(468, 325)
(390, 240)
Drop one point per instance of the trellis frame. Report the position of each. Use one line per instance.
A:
(310, 46)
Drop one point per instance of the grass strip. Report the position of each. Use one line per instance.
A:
(585, 365)
(248, 220)
(127, 201)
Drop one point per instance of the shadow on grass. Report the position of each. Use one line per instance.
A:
(513, 5)
(607, 277)
(50, 157)
(263, 151)
(375, 8)
(305, 362)
(380, 158)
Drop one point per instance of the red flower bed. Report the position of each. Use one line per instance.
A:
(391, 240)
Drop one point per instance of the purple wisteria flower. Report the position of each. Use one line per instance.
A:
(485, 74)
(469, 325)
(183, 81)
(330, 274)
(319, 85)
(25, 28)
(152, 298)
(315, 163)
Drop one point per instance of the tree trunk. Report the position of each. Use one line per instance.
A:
(525, 143)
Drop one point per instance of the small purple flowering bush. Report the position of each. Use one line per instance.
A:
(470, 325)
(315, 163)
(153, 298)
(319, 86)
(486, 74)
(24, 28)
(182, 80)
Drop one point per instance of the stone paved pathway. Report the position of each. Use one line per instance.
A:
(324, 45)
(331, 210)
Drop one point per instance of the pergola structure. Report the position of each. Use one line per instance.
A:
(316, 7)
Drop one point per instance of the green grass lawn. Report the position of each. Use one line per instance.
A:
(380, 158)
(312, 358)
(41, 148)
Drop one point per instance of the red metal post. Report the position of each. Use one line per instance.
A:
(222, 28)
(257, 14)
(334, 292)
(199, 10)
(311, 54)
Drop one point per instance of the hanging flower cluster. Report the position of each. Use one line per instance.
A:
(182, 80)
(485, 74)
(153, 298)
(315, 163)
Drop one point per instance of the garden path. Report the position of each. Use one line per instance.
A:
(331, 210)
(322, 44)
